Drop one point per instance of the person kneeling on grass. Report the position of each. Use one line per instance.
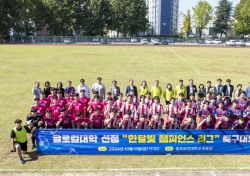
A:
(19, 136)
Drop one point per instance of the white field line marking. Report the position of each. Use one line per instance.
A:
(180, 169)
(184, 60)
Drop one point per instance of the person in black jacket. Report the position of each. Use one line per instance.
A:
(191, 88)
(131, 87)
(46, 88)
(228, 89)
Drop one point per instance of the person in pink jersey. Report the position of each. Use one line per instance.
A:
(112, 120)
(109, 95)
(77, 106)
(95, 104)
(69, 100)
(61, 101)
(40, 109)
(189, 123)
(45, 102)
(65, 120)
(142, 108)
(81, 122)
(173, 123)
(129, 105)
(97, 119)
(109, 106)
(171, 108)
(52, 93)
(84, 99)
(48, 121)
(55, 108)
(127, 122)
(143, 122)
(156, 122)
(95, 94)
(189, 110)
(156, 107)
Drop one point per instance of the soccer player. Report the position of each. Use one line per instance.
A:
(224, 123)
(127, 122)
(52, 93)
(84, 87)
(55, 108)
(156, 90)
(208, 97)
(171, 108)
(144, 88)
(220, 112)
(148, 99)
(65, 120)
(173, 123)
(235, 111)
(112, 120)
(77, 106)
(142, 108)
(109, 95)
(109, 106)
(60, 100)
(194, 103)
(84, 99)
(212, 106)
(69, 101)
(189, 123)
(191, 88)
(32, 121)
(143, 122)
(19, 136)
(207, 123)
(239, 124)
(134, 98)
(95, 104)
(119, 103)
(40, 109)
(227, 102)
(180, 89)
(45, 102)
(168, 93)
(189, 109)
(180, 103)
(48, 121)
(203, 112)
(80, 122)
(70, 89)
(156, 122)
(96, 119)
(129, 105)
(242, 101)
(246, 113)
(100, 88)
(156, 107)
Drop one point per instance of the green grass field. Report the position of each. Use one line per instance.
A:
(21, 66)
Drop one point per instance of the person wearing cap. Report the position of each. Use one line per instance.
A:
(168, 93)
(48, 121)
(19, 136)
(85, 87)
(60, 100)
(131, 87)
(36, 90)
(156, 122)
(218, 88)
(46, 88)
(156, 107)
(55, 108)
(191, 88)
(142, 123)
(99, 87)
(112, 119)
(40, 109)
(65, 121)
(237, 91)
(115, 90)
(44, 101)
(77, 106)
(97, 119)
(224, 123)
(189, 123)
(173, 123)
(239, 124)
(228, 89)
(220, 111)
(207, 123)
(32, 120)
(127, 122)
(156, 90)
(180, 89)
(70, 89)
(144, 88)
(59, 87)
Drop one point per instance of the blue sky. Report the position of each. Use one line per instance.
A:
(188, 4)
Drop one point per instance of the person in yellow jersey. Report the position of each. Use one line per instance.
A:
(156, 90)
(19, 136)
(168, 93)
(180, 89)
(144, 88)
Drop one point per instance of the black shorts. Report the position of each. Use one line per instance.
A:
(23, 146)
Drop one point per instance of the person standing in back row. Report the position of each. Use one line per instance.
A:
(191, 88)
(83, 86)
(100, 88)
(131, 87)
(218, 88)
(156, 90)
(228, 89)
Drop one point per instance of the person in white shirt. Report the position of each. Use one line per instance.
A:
(98, 86)
(83, 86)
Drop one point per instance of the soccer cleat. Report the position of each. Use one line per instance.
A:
(22, 160)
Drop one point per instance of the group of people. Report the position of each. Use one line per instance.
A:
(187, 107)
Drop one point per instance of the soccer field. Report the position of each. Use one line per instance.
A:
(22, 65)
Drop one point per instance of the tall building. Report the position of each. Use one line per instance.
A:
(163, 16)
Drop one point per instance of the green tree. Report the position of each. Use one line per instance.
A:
(202, 14)
(187, 24)
(242, 18)
(223, 15)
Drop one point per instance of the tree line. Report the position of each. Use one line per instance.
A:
(73, 17)
(225, 17)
